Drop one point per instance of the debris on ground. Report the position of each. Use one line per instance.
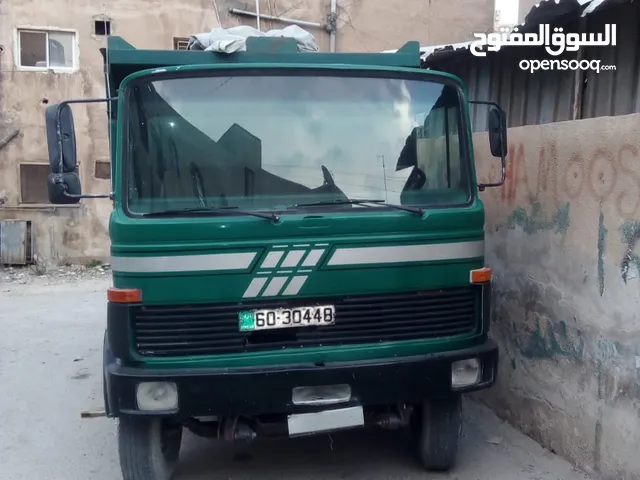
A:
(53, 275)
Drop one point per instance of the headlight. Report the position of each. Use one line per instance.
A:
(465, 373)
(157, 396)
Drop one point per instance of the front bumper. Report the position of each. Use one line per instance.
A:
(255, 391)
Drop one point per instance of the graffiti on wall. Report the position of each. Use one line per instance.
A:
(604, 175)
(602, 242)
(630, 265)
(537, 221)
(550, 174)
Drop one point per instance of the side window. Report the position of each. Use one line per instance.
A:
(438, 149)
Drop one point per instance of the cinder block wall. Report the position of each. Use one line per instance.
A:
(562, 235)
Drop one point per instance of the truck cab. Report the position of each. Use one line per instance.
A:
(297, 247)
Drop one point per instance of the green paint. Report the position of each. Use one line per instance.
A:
(123, 54)
(562, 329)
(608, 350)
(167, 236)
(597, 443)
(535, 333)
(553, 341)
(348, 353)
(602, 238)
(600, 381)
(630, 236)
(630, 232)
(209, 287)
(536, 221)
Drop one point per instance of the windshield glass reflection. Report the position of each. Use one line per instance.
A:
(265, 142)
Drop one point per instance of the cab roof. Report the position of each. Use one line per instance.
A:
(122, 59)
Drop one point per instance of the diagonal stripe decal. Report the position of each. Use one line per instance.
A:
(272, 259)
(295, 285)
(274, 287)
(255, 287)
(293, 258)
(284, 270)
(313, 257)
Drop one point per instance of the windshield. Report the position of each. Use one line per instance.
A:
(280, 142)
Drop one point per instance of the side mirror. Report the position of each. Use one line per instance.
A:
(497, 125)
(61, 138)
(497, 129)
(63, 183)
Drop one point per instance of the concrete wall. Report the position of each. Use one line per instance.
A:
(562, 235)
(74, 233)
(377, 25)
(79, 233)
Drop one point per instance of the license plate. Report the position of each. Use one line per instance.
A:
(325, 421)
(269, 319)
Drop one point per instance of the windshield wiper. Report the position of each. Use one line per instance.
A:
(362, 201)
(196, 210)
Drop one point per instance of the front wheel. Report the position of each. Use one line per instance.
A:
(148, 448)
(437, 426)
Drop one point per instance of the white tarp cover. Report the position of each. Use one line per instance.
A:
(234, 39)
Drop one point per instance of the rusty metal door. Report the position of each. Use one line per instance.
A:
(15, 242)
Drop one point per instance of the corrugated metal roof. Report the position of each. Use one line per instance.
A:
(543, 12)
(556, 95)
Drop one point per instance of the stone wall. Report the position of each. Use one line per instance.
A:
(562, 235)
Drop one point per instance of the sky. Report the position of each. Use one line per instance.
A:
(509, 10)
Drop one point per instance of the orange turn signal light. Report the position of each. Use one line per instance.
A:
(124, 295)
(481, 275)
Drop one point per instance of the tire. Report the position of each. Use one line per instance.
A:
(148, 448)
(436, 428)
(105, 398)
(105, 389)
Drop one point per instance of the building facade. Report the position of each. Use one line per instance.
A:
(50, 53)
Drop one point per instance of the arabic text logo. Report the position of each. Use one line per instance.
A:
(569, 42)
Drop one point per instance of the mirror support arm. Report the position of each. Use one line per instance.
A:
(58, 177)
(59, 131)
(483, 186)
(110, 196)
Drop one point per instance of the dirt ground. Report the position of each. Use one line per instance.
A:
(51, 326)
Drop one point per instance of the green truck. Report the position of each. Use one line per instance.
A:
(297, 246)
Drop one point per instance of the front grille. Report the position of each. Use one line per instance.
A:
(166, 331)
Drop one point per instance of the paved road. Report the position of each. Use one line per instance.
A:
(50, 357)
